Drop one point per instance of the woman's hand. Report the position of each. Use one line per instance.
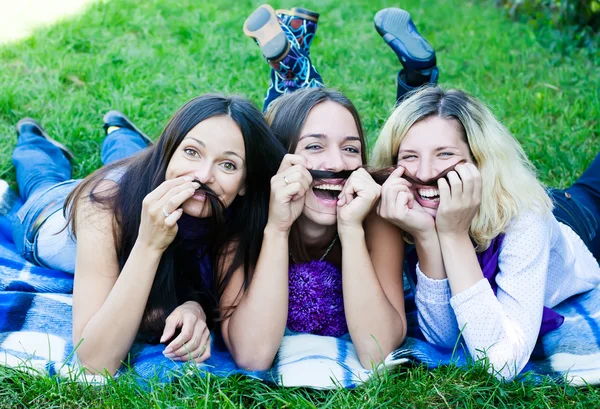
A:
(459, 200)
(193, 341)
(288, 192)
(399, 207)
(161, 210)
(358, 196)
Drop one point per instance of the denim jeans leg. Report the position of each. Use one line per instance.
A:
(586, 191)
(39, 164)
(120, 144)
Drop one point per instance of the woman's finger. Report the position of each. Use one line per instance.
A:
(347, 194)
(445, 196)
(171, 324)
(167, 185)
(202, 345)
(467, 182)
(178, 345)
(398, 172)
(290, 160)
(203, 356)
(173, 201)
(456, 187)
(173, 218)
(477, 184)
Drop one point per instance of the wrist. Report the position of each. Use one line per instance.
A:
(272, 230)
(453, 235)
(350, 230)
(424, 236)
(148, 250)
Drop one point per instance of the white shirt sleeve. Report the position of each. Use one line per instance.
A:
(434, 313)
(504, 328)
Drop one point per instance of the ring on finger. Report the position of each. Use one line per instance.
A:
(166, 212)
(285, 179)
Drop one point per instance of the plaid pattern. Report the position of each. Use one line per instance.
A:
(35, 335)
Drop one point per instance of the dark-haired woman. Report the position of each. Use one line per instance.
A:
(140, 228)
(327, 265)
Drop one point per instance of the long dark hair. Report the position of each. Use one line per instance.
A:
(144, 172)
(287, 115)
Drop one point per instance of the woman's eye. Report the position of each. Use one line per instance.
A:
(408, 157)
(229, 166)
(351, 149)
(191, 152)
(313, 147)
(446, 154)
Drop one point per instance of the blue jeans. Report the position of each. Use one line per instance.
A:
(579, 207)
(44, 180)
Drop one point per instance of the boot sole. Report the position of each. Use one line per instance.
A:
(66, 151)
(127, 124)
(394, 23)
(263, 26)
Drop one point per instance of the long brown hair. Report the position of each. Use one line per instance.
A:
(175, 283)
(287, 115)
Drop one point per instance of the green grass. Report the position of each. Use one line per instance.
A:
(410, 387)
(148, 58)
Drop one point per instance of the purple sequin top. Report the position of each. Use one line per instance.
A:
(316, 301)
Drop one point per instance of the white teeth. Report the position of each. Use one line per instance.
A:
(329, 187)
(429, 193)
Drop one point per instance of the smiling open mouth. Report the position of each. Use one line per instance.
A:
(429, 194)
(327, 191)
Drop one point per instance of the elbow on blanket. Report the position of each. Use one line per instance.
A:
(260, 360)
(504, 365)
(91, 365)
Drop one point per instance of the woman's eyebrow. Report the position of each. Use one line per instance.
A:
(323, 136)
(443, 148)
(313, 135)
(351, 138)
(235, 154)
(197, 140)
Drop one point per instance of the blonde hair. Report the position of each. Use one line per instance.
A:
(508, 177)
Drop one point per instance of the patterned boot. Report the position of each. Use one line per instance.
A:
(302, 23)
(291, 69)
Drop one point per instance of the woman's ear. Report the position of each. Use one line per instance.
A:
(242, 191)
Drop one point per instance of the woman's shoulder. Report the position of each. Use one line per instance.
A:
(529, 232)
(530, 221)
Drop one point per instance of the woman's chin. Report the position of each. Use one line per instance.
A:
(197, 210)
(430, 211)
(321, 218)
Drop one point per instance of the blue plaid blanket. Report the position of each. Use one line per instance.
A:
(35, 335)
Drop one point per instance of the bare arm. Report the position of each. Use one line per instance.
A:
(373, 289)
(255, 328)
(107, 306)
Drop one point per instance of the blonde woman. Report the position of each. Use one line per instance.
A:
(493, 259)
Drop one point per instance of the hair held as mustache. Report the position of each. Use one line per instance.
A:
(381, 175)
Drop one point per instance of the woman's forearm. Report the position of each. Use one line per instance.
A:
(429, 254)
(109, 334)
(364, 299)
(256, 327)
(460, 261)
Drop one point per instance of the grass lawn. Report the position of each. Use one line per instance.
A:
(148, 58)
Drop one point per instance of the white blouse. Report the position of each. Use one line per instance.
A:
(542, 262)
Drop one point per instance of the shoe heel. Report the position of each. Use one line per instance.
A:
(400, 33)
(263, 26)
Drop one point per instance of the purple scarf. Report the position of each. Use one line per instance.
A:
(488, 261)
(316, 301)
(191, 238)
